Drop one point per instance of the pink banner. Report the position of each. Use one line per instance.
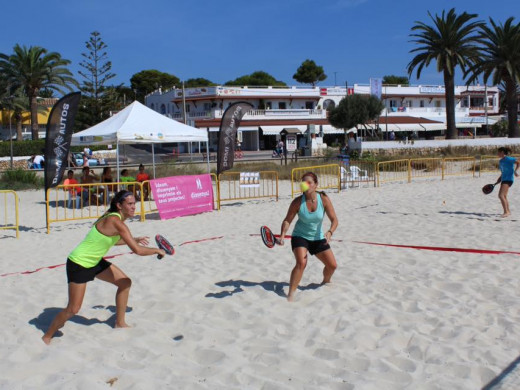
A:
(182, 195)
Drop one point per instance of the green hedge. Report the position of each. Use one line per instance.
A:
(28, 148)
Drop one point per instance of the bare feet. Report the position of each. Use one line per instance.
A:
(505, 215)
(46, 339)
(290, 298)
(123, 325)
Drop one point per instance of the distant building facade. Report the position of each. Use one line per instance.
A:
(419, 109)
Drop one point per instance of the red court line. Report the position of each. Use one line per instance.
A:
(55, 266)
(204, 239)
(440, 248)
(106, 257)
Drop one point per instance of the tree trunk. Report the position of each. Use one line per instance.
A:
(512, 109)
(449, 86)
(19, 135)
(34, 114)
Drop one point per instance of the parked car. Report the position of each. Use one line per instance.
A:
(92, 162)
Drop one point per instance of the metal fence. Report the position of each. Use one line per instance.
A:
(9, 211)
(390, 171)
(407, 170)
(329, 176)
(230, 187)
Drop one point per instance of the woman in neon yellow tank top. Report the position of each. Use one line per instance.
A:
(307, 236)
(86, 261)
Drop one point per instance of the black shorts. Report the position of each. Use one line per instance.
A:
(79, 274)
(313, 247)
(510, 183)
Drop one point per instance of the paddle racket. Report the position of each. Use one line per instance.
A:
(165, 245)
(488, 189)
(268, 237)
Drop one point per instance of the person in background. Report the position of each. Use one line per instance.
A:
(38, 161)
(509, 169)
(85, 160)
(71, 161)
(74, 192)
(106, 177)
(89, 192)
(126, 178)
(142, 176)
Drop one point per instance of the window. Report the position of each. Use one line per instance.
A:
(282, 105)
(421, 103)
(393, 103)
(187, 108)
(309, 105)
(163, 109)
(207, 106)
(327, 104)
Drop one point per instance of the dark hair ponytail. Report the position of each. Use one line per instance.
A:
(118, 199)
(504, 150)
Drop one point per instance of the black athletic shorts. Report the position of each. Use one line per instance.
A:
(79, 274)
(508, 182)
(313, 247)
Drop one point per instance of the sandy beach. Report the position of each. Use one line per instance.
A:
(215, 315)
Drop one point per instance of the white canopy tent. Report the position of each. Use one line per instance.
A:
(136, 124)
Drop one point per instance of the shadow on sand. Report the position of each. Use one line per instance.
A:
(44, 319)
(269, 285)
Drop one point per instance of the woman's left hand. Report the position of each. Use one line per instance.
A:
(144, 241)
(328, 236)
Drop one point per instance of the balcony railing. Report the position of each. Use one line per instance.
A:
(258, 114)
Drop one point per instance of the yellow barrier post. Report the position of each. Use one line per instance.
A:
(7, 225)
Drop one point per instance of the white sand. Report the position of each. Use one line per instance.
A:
(214, 315)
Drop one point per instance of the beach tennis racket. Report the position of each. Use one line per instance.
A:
(165, 245)
(268, 237)
(488, 189)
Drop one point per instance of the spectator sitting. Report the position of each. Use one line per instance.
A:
(89, 192)
(74, 192)
(141, 177)
(106, 177)
(125, 178)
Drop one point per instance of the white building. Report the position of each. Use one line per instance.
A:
(419, 109)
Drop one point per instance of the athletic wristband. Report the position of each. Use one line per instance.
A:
(329, 231)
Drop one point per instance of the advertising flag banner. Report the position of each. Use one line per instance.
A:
(227, 134)
(376, 87)
(177, 196)
(58, 137)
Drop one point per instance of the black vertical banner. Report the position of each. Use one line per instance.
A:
(58, 137)
(228, 133)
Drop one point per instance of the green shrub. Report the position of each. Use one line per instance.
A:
(19, 179)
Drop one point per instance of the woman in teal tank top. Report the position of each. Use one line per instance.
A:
(308, 236)
(86, 261)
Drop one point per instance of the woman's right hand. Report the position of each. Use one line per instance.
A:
(280, 241)
(160, 252)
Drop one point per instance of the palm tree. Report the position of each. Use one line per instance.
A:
(451, 42)
(500, 59)
(34, 69)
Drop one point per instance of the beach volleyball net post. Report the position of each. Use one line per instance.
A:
(329, 176)
(9, 219)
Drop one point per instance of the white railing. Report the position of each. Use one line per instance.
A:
(425, 109)
(266, 114)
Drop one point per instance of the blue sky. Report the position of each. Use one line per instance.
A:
(225, 39)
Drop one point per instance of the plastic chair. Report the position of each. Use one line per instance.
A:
(358, 175)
